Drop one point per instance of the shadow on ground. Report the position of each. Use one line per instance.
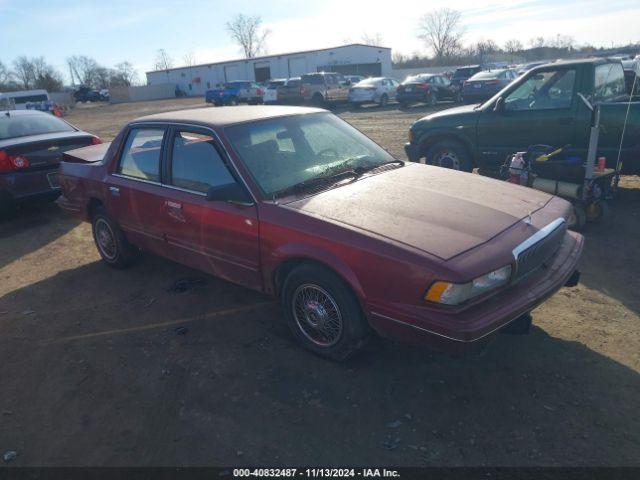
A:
(235, 389)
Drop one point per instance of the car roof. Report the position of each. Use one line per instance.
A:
(224, 116)
(20, 113)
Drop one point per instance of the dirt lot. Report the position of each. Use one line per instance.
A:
(92, 371)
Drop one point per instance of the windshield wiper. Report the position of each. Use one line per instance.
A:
(317, 181)
(363, 169)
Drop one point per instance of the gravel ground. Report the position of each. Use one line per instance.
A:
(93, 371)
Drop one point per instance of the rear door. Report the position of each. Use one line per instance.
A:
(219, 237)
(134, 190)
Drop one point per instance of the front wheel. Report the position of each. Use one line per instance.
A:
(323, 313)
(112, 245)
(449, 154)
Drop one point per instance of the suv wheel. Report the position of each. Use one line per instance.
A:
(317, 99)
(112, 245)
(323, 313)
(449, 154)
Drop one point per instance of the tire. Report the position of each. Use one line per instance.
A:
(520, 326)
(449, 154)
(577, 219)
(115, 251)
(325, 292)
(233, 101)
(317, 99)
(384, 100)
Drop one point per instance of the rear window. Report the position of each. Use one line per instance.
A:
(486, 75)
(313, 79)
(418, 78)
(610, 85)
(15, 126)
(275, 84)
(466, 72)
(294, 82)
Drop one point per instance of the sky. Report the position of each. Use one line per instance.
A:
(112, 31)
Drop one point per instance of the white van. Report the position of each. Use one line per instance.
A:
(20, 99)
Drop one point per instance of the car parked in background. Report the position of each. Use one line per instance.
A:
(86, 94)
(429, 88)
(233, 93)
(631, 70)
(271, 91)
(265, 197)
(290, 92)
(484, 85)
(543, 106)
(324, 87)
(463, 73)
(31, 147)
(353, 79)
(378, 90)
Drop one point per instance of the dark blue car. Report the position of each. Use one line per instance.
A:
(484, 85)
(233, 93)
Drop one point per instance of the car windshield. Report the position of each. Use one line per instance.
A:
(294, 151)
(13, 126)
(417, 78)
(368, 82)
(313, 79)
(465, 72)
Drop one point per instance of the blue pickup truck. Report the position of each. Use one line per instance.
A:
(233, 93)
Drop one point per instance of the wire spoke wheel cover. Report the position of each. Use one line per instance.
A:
(317, 315)
(105, 239)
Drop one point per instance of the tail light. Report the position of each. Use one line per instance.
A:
(492, 82)
(9, 163)
(96, 140)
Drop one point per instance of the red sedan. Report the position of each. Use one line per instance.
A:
(297, 203)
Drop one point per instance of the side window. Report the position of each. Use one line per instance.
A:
(609, 83)
(141, 155)
(196, 164)
(547, 90)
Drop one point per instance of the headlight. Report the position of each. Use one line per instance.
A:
(456, 293)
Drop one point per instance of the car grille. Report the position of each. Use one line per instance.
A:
(539, 248)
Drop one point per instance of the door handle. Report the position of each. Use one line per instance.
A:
(171, 204)
(114, 190)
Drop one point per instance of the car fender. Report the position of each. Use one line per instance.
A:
(430, 136)
(305, 252)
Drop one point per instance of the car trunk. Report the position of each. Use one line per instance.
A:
(45, 151)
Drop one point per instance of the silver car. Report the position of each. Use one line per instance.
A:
(378, 90)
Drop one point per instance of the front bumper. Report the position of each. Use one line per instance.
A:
(412, 151)
(451, 329)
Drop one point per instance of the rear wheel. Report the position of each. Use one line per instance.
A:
(577, 219)
(323, 313)
(449, 154)
(112, 245)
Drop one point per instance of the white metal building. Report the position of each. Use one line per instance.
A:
(355, 59)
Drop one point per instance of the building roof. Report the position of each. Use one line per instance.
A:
(223, 116)
(268, 56)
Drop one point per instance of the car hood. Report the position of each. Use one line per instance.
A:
(435, 210)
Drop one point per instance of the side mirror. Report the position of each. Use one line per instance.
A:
(499, 106)
(232, 193)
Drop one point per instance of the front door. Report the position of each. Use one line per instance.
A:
(134, 189)
(215, 236)
(542, 110)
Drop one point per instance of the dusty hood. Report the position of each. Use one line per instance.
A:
(439, 211)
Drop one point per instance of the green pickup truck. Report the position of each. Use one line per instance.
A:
(541, 107)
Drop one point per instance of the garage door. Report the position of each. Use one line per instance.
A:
(297, 66)
(262, 71)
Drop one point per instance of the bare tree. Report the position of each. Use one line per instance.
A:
(163, 60)
(442, 32)
(85, 70)
(24, 71)
(124, 74)
(375, 39)
(484, 48)
(513, 46)
(562, 41)
(537, 42)
(248, 33)
(189, 59)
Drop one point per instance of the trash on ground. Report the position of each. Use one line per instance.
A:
(10, 455)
